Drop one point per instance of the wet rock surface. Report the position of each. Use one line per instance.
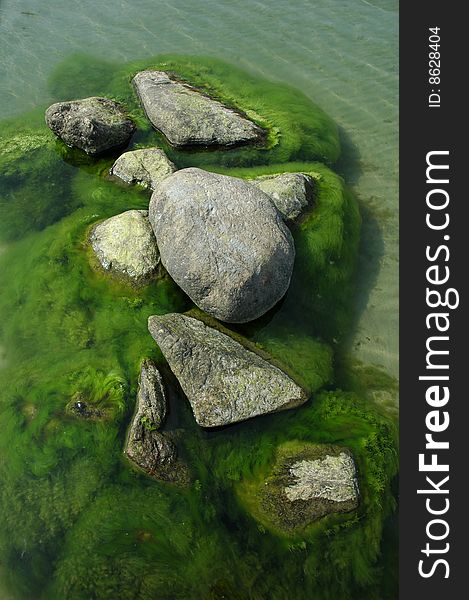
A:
(223, 381)
(292, 193)
(306, 483)
(145, 166)
(223, 242)
(92, 124)
(126, 246)
(186, 117)
(146, 446)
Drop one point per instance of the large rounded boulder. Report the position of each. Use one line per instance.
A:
(223, 242)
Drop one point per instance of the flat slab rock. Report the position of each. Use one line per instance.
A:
(223, 242)
(92, 124)
(223, 381)
(145, 166)
(306, 483)
(125, 245)
(292, 193)
(186, 117)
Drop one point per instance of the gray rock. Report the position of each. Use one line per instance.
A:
(151, 398)
(332, 477)
(149, 449)
(306, 482)
(187, 117)
(92, 124)
(223, 381)
(126, 246)
(146, 166)
(292, 193)
(223, 242)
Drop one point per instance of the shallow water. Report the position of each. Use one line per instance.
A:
(76, 522)
(343, 54)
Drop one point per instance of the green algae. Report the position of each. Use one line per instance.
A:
(75, 521)
(297, 128)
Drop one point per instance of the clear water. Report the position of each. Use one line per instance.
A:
(342, 53)
(72, 511)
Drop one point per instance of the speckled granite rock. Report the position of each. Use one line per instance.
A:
(223, 242)
(186, 117)
(224, 382)
(146, 166)
(292, 193)
(126, 246)
(92, 124)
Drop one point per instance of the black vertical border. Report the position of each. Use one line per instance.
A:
(423, 129)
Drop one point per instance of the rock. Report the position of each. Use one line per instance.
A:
(223, 381)
(145, 445)
(149, 449)
(331, 477)
(126, 246)
(186, 117)
(223, 242)
(291, 193)
(92, 124)
(151, 399)
(306, 483)
(147, 166)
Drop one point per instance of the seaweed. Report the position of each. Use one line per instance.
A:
(76, 522)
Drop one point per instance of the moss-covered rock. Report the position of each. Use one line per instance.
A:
(92, 124)
(306, 483)
(125, 245)
(144, 166)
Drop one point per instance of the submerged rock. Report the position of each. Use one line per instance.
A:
(151, 398)
(306, 483)
(292, 193)
(126, 246)
(223, 242)
(187, 117)
(149, 449)
(223, 381)
(92, 124)
(146, 166)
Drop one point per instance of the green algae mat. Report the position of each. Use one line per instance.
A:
(77, 522)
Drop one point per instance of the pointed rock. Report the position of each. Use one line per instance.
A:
(186, 117)
(223, 381)
(149, 449)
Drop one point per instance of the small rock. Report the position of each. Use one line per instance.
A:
(223, 381)
(79, 407)
(307, 482)
(146, 166)
(187, 117)
(292, 193)
(332, 477)
(151, 398)
(126, 246)
(223, 242)
(149, 449)
(92, 124)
